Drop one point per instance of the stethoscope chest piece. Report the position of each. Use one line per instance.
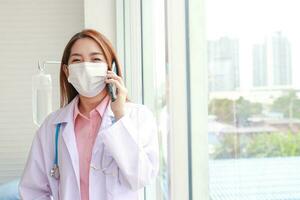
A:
(55, 172)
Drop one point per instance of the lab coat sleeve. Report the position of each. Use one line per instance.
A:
(34, 183)
(133, 143)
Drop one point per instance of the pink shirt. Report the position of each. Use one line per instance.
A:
(86, 131)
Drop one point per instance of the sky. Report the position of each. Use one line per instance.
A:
(252, 21)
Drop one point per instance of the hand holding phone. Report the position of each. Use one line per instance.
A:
(117, 91)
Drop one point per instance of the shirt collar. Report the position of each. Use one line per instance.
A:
(100, 108)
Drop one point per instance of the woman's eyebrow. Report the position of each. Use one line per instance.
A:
(91, 54)
(75, 54)
(95, 53)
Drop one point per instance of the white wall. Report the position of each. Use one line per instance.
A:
(30, 30)
(100, 15)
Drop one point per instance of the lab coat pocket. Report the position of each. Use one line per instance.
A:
(111, 182)
(55, 188)
(110, 170)
(58, 189)
(108, 164)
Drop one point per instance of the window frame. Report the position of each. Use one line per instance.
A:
(188, 95)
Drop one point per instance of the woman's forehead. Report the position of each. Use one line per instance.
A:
(86, 46)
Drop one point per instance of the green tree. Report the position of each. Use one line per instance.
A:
(274, 145)
(246, 109)
(258, 146)
(234, 112)
(222, 108)
(288, 105)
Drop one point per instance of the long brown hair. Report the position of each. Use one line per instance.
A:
(67, 91)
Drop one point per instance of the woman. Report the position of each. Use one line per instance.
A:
(92, 148)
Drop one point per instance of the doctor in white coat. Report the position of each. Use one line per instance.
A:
(122, 155)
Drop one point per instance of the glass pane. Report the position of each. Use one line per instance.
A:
(155, 86)
(254, 99)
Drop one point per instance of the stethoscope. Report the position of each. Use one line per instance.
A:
(54, 172)
(55, 169)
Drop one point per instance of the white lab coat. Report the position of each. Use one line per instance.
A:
(130, 147)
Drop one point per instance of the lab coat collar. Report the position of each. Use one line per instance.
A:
(65, 114)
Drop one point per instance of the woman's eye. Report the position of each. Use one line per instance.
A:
(97, 59)
(75, 60)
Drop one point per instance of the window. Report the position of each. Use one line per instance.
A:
(254, 116)
(155, 79)
(163, 45)
(142, 47)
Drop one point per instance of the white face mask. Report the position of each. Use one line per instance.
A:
(88, 78)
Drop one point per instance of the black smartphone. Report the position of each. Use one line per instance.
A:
(111, 87)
